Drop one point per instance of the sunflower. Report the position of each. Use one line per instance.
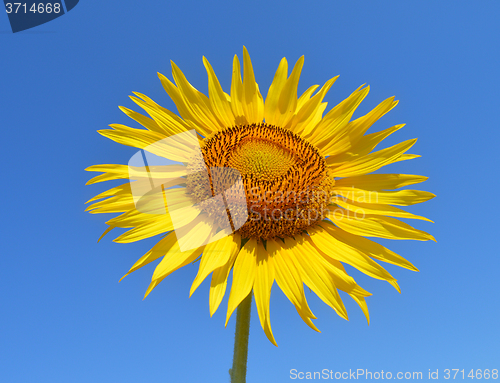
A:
(296, 206)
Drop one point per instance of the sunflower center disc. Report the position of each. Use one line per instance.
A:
(262, 159)
(287, 186)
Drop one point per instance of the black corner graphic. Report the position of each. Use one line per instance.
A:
(70, 4)
(29, 14)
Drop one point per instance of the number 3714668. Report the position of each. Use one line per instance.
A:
(463, 374)
(34, 8)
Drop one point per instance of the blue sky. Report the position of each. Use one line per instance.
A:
(64, 316)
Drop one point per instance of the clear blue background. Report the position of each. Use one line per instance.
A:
(64, 316)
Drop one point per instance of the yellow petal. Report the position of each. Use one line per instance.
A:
(195, 232)
(157, 225)
(168, 123)
(366, 144)
(158, 251)
(273, 95)
(175, 258)
(253, 103)
(244, 271)
(218, 99)
(287, 101)
(184, 109)
(400, 197)
(359, 126)
(154, 203)
(373, 249)
(148, 123)
(131, 218)
(331, 135)
(105, 232)
(288, 278)
(140, 138)
(380, 182)
(112, 172)
(264, 278)
(314, 275)
(305, 115)
(237, 93)
(406, 157)
(289, 281)
(219, 281)
(216, 254)
(362, 303)
(306, 96)
(324, 240)
(361, 209)
(218, 286)
(335, 269)
(376, 226)
(196, 102)
(372, 161)
(115, 204)
(170, 173)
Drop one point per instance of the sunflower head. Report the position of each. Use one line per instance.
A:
(285, 180)
(274, 190)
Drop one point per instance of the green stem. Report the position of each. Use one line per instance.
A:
(239, 371)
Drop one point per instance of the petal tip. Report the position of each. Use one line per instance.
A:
(121, 279)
